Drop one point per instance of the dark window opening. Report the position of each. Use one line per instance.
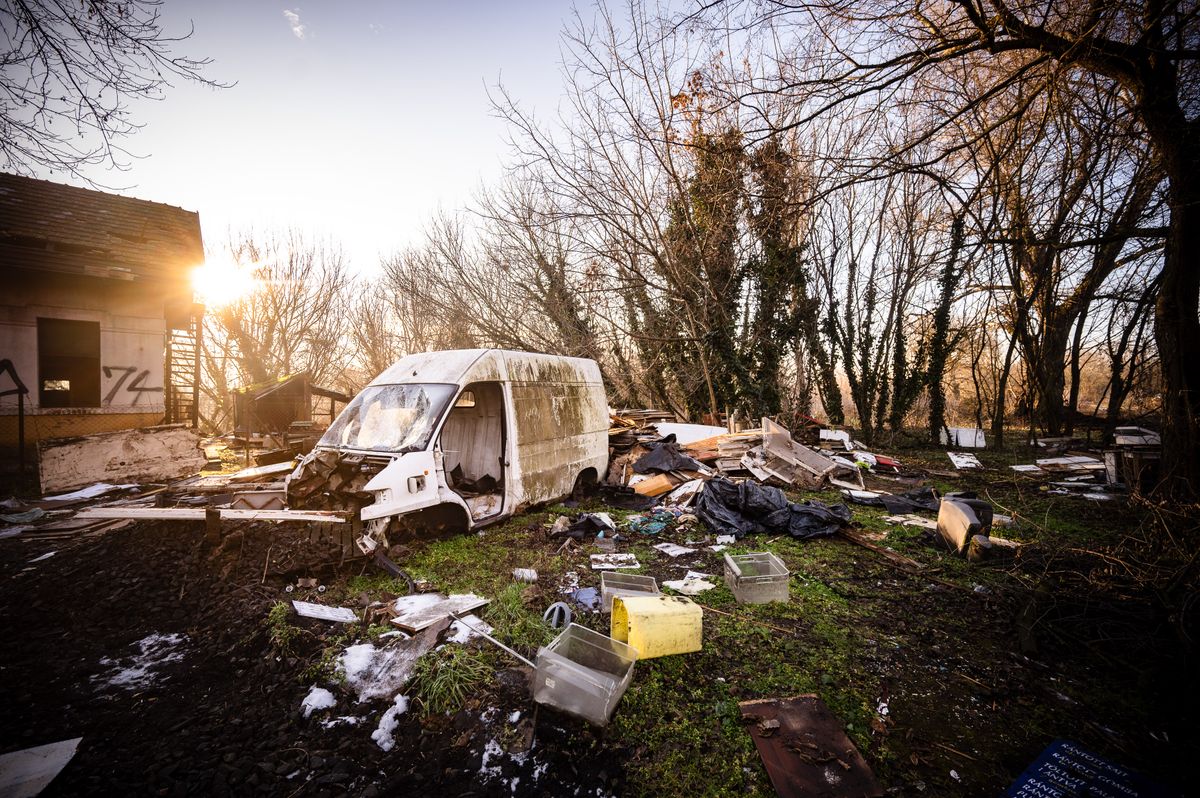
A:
(68, 363)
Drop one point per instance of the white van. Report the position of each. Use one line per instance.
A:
(460, 439)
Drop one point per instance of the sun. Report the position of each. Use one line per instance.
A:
(219, 283)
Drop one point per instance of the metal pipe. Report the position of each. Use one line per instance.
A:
(483, 634)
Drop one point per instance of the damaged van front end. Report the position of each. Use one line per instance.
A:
(377, 459)
(455, 440)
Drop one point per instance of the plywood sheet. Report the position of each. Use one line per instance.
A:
(806, 751)
(414, 613)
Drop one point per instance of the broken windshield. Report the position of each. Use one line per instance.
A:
(389, 418)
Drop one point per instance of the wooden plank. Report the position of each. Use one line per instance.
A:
(254, 474)
(197, 514)
(153, 454)
(656, 485)
(896, 558)
(417, 612)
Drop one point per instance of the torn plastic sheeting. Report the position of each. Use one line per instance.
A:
(750, 508)
(652, 523)
(99, 489)
(23, 518)
(588, 526)
(665, 456)
(693, 583)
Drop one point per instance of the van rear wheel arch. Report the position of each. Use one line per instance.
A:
(585, 484)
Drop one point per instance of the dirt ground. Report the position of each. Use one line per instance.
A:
(950, 680)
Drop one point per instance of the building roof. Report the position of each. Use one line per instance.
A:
(48, 226)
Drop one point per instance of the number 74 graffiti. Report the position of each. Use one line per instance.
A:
(135, 387)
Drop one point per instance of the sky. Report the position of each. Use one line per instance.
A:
(354, 121)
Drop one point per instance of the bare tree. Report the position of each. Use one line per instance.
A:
(1148, 49)
(68, 73)
(295, 320)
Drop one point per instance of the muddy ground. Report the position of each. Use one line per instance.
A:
(978, 668)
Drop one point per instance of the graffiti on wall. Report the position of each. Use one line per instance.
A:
(134, 386)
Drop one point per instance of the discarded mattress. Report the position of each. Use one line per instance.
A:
(750, 508)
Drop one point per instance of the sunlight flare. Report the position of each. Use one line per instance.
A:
(221, 283)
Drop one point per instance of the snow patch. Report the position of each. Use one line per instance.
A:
(318, 698)
(384, 734)
(461, 632)
(374, 673)
(490, 768)
(343, 720)
(140, 670)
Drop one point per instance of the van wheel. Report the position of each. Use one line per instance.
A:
(585, 485)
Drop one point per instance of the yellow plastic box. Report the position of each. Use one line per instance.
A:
(657, 626)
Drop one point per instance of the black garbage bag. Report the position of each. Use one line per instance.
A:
(665, 456)
(750, 508)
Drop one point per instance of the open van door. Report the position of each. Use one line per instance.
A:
(473, 443)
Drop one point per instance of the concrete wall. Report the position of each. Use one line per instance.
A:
(132, 342)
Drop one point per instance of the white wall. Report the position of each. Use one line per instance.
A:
(132, 338)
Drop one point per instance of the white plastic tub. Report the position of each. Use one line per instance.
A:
(583, 673)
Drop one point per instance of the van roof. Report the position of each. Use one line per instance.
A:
(455, 366)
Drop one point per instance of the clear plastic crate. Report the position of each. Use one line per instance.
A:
(583, 673)
(756, 578)
(615, 583)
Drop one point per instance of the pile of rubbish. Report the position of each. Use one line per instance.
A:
(1075, 469)
(655, 459)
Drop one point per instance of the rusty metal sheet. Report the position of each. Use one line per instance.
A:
(806, 751)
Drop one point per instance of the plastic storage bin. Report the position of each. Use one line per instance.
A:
(657, 626)
(756, 578)
(615, 583)
(583, 673)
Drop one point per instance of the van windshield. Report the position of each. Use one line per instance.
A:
(389, 418)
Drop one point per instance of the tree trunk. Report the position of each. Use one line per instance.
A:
(1049, 374)
(1076, 372)
(939, 344)
(1176, 328)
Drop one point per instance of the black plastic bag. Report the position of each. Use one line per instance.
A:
(665, 456)
(750, 508)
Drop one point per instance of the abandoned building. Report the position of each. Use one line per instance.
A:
(97, 320)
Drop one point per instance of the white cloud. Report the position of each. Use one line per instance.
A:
(375, 27)
(293, 18)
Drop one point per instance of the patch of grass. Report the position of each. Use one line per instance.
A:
(375, 583)
(515, 623)
(324, 667)
(686, 735)
(443, 679)
(280, 631)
